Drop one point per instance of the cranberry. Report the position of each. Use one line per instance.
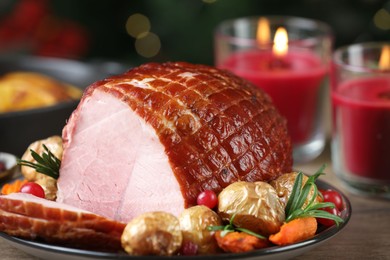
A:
(329, 222)
(189, 248)
(207, 198)
(34, 189)
(334, 197)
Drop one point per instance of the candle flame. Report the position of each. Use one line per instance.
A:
(263, 31)
(384, 61)
(280, 47)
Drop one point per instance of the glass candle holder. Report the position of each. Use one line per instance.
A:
(295, 76)
(361, 117)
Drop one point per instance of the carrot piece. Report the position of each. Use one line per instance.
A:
(236, 242)
(13, 187)
(295, 231)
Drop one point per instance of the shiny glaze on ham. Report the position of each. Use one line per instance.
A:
(156, 136)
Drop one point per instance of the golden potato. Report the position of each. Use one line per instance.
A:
(256, 207)
(194, 222)
(49, 184)
(153, 233)
(284, 185)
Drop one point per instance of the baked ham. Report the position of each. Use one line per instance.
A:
(156, 136)
(27, 216)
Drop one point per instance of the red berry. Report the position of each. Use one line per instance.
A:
(189, 248)
(328, 222)
(34, 189)
(207, 198)
(334, 197)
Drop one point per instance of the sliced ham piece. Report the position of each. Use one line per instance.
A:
(26, 216)
(156, 136)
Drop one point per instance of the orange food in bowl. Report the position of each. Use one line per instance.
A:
(28, 90)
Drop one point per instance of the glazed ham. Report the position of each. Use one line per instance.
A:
(26, 216)
(156, 136)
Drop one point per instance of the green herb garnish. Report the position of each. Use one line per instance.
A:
(231, 228)
(294, 208)
(47, 164)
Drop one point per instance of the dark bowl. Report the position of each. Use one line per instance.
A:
(19, 129)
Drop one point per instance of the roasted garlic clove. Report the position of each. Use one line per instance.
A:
(49, 184)
(194, 222)
(153, 233)
(255, 206)
(284, 185)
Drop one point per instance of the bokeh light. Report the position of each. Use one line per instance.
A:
(137, 25)
(148, 45)
(382, 19)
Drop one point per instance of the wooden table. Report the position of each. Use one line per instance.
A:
(367, 235)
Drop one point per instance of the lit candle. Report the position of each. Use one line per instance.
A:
(280, 46)
(263, 33)
(384, 60)
(291, 76)
(361, 105)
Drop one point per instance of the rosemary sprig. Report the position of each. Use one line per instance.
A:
(231, 228)
(294, 207)
(47, 164)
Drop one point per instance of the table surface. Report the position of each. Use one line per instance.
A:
(367, 234)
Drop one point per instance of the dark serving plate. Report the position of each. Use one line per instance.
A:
(19, 129)
(48, 251)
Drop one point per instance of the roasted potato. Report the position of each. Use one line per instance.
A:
(284, 185)
(49, 184)
(153, 233)
(255, 206)
(194, 222)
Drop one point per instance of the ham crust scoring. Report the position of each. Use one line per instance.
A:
(168, 131)
(26, 216)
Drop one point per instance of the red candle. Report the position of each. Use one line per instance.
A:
(293, 81)
(362, 109)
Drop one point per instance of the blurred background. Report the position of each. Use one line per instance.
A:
(138, 31)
